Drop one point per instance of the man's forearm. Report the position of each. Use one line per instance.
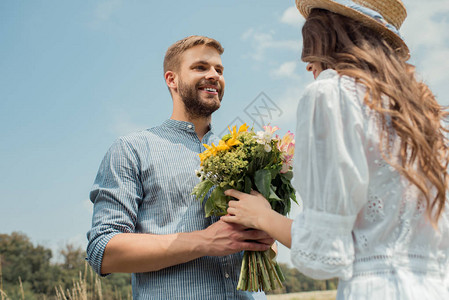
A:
(140, 252)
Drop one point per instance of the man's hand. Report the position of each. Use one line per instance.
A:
(136, 252)
(223, 238)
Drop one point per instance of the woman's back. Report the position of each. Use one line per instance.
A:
(393, 238)
(397, 253)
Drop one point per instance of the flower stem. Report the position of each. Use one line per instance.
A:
(243, 278)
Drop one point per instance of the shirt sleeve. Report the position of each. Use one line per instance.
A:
(116, 195)
(331, 176)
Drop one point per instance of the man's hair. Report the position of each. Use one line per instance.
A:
(345, 45)
(172, 58)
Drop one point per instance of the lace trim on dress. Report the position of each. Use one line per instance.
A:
(386, 272)
(328, 260)
(375, 208)
(383, 264)
(388, 257)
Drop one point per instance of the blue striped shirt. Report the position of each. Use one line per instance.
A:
(143, 185)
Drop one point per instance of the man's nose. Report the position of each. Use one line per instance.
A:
(213, 74)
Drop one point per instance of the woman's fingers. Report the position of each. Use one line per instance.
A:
(255, 193)
(231, 211)
(233, 203)
(228, 218)
(233, 193)
(232, 219)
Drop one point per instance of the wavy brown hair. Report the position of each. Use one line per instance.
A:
(352, 49)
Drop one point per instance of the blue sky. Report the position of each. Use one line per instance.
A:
(75, 75)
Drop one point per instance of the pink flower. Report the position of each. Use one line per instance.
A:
(287, 147)
(287, 144)
(270, 129)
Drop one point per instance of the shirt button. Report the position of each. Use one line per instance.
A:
(227, 275)
(189, 126)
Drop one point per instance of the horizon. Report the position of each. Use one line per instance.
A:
(77, 75)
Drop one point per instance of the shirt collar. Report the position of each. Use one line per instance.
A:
(325, 74)
(182, 125)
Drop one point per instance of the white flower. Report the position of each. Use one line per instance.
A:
(267, 147)
(267, 136)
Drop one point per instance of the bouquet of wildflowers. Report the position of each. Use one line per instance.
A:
(247, 160)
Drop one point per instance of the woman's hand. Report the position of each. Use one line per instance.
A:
(249, 211)
(254, 211)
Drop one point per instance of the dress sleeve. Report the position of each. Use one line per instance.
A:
(116, 195)
(331, 176)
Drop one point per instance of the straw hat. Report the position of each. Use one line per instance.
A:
(392, 11)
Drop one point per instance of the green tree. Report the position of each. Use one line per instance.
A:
(295, 282)
(20, 258)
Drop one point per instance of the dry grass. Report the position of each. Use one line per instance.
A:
(85, 288)
(88, 287)
(315, 295)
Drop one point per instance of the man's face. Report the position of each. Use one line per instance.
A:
(200, 82)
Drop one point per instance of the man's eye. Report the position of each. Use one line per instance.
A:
(219, 71)
(200, 68)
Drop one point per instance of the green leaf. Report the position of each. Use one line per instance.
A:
(273, 196)
(217, 203)
(201, 189)
(262, 180)
(209, 207)
(248, 185)
(287, 177)
(275, 171)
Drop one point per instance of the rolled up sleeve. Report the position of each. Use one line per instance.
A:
(116, 194)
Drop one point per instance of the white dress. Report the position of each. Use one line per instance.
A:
(361, 220)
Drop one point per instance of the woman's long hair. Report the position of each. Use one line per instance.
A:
(345, 45)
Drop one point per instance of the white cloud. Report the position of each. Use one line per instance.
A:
(106, 9)
(264, 41)
(288, 102)
(123, 124)
(286, 70)
(291, 16)
(425, 32)
(103, 16)
(426, 24)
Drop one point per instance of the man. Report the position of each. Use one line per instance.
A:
(145, 221)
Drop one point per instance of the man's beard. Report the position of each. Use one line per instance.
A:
(195, 106)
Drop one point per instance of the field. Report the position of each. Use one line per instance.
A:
(315, 295)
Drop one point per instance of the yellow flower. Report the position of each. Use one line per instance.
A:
(233, 141)
(243, 128)
(222, 146)
(212, 150)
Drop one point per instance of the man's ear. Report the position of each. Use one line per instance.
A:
(170, 80)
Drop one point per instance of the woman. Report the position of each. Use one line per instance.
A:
(371, 161)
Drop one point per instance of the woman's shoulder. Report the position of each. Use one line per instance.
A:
(327, 80)
(330, 85)
(330, 79)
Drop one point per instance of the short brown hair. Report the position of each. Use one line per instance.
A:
(173, 54)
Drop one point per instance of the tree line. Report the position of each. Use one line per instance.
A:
(27, 272)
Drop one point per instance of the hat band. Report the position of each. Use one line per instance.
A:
(370, 13)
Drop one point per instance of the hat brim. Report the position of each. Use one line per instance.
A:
(305, 6)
